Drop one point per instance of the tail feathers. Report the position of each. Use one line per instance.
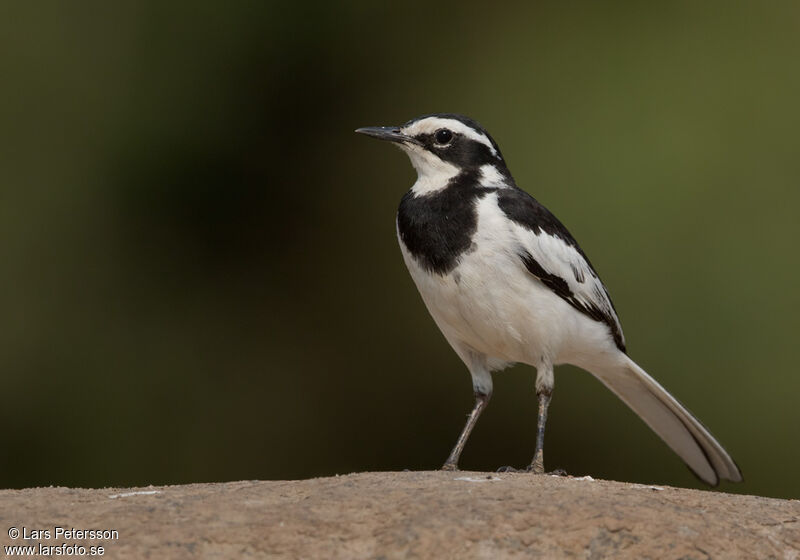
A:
(670, 420)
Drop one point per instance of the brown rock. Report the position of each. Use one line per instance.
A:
(410, 515)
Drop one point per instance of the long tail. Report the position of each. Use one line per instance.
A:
(670, 420)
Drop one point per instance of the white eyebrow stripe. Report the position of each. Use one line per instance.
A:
(430, 125)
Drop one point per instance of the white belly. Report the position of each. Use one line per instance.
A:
(494, 306)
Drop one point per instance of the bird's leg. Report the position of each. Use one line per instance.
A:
(544, 390)
(537, 465)
(481, 400)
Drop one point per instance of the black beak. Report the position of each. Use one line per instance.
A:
(390, 133)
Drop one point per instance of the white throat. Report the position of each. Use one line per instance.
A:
(433, 174)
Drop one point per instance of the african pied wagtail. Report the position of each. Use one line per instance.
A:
(506, 282)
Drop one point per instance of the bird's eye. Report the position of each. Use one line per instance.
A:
(442, 136)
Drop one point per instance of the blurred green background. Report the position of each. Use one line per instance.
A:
(200, 277)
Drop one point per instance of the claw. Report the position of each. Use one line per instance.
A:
(531, 469)
(512, 470)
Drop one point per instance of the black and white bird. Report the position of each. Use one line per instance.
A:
(506, 282)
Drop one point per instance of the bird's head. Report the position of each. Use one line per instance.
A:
(442, 146)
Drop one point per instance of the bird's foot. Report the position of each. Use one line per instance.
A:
(531, 469)
(449, 467)
(537, 465)
(508, 469)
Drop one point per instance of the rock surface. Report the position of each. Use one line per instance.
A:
(407, 515)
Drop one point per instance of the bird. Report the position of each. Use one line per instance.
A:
(506, 283)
